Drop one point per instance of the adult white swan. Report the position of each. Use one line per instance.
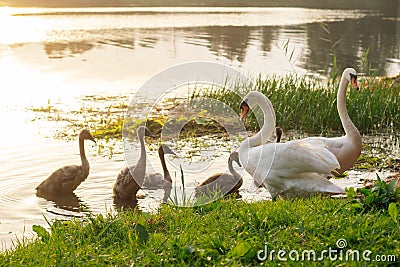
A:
(295, 168)
(347, 148)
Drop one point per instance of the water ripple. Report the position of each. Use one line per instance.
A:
(15, 193)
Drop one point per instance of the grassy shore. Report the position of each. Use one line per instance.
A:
(222, 233)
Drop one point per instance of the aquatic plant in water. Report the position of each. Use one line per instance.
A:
(380, 196)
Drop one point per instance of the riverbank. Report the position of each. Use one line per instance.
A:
(222, 233)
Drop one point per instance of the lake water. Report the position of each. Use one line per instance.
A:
(61, 56)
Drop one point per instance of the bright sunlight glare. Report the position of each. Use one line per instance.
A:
(15, 29)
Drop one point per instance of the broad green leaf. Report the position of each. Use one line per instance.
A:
(142, 233)
(391, 187)
(364, 191)
(356, 206)
(240, 250)
(350, 192)
(41, 232)
(393, 211)
(369, 199)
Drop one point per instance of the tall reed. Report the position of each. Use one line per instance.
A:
(309, 105)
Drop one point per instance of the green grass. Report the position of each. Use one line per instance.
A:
(309, 105)
(222, 233)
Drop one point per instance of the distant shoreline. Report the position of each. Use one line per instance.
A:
(393, 6)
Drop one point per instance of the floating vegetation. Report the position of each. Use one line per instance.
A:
(368, 162)
(374, 110)
(377, 155)
(107, 124)
(49, 108)
(109, 128)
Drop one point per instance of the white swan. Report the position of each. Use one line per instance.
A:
(295, 168)
(347, 148)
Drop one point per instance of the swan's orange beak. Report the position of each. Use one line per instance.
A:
(245, 109)
(354, 83)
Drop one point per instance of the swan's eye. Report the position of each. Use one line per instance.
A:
(353, 76)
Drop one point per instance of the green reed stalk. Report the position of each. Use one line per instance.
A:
(308, 104)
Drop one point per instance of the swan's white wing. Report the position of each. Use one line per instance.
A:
(303, 156)
(257, 160)
(295, 167)
(305, 184)
(288, 159)
(335, 144)
(300, 169)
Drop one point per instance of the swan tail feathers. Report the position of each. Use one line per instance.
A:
(318, 183)
(320, 160)
(335, 189)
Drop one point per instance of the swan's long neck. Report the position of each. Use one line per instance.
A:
(85, 162)
(232, 170)
(164, 166)
(140, 169)
(265, 133)
(349, 127)
(167, 178)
